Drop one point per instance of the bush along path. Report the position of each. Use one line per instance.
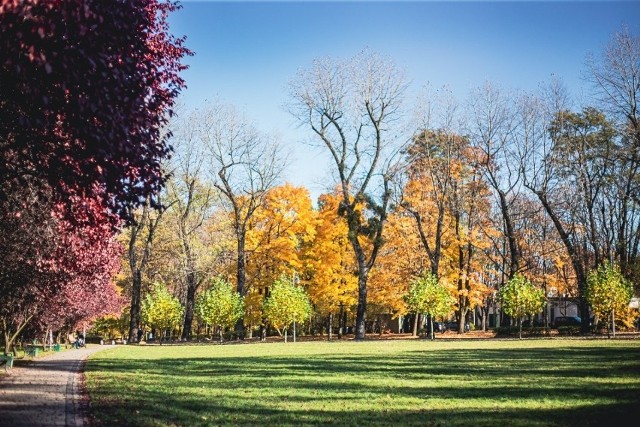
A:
(46, 391)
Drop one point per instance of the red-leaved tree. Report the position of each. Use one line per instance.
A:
(85, 89)
(54, 274)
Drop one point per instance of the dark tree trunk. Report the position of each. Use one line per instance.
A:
(134, 322)
(514, 250)
(192, 286)
(576, 261)
(241, 276)
(361, 311)
(434, 256)
(138, 264)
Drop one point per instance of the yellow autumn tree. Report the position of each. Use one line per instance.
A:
(331, 269)
(279, 237)
(449, 202)
(401, 259)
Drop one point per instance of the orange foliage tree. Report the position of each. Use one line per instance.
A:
(401, 259)
(332, 273)
(279, 237)
(449, 201)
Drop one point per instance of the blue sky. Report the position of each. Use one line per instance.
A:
(246, 52)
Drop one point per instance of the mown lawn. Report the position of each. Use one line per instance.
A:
(552, 382)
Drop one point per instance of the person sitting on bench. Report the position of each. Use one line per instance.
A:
(79, 342)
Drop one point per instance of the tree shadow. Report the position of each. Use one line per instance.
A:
(575, 375)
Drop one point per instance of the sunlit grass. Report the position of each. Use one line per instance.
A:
(413, 382)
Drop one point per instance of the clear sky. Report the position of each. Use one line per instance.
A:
(246, 52)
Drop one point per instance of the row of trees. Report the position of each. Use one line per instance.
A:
(474, 194)
(85, 91)
(220, 307)
(507, 184)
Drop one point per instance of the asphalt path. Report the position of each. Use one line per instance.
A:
(46, 391)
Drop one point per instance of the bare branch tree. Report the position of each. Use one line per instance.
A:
(615, 77)
(430, 158)
(192, 200)
(141, 241)
(542, 164)
(491, 126)
(244, 164)
(351, 107)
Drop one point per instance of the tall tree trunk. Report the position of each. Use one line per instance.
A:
(361, 311)
(241, 276)
(514, 250)
(434, 256)
(462, 282)
(192, 286)
(613, 323)
(139, 264)
(576, 261)
(134, 312)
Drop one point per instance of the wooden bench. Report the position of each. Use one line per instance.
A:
(7, 361)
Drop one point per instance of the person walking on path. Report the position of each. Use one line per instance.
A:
(46, 392)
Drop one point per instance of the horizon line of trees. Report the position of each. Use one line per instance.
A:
(475, 194)
(507, 183)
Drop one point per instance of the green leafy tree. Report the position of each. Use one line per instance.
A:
(519, 297)
(427, 295)
(162, 310)
(609, 293)
(220, 305)
(286, 305)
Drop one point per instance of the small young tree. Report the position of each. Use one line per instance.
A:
(427, 295)
(519, 297)
(162, 310)
(220, 305)
(286, 305)
(608, 293)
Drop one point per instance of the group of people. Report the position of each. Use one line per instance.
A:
(76, 340)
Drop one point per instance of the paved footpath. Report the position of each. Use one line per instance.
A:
(45, 392)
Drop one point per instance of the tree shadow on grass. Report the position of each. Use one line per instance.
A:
(213, 414)
(229, 391)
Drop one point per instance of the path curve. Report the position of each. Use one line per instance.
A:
(46, 392)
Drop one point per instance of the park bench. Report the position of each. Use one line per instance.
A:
(32, 350)
(51, 347)
(7, 361)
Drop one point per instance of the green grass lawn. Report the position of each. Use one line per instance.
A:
(552, 382)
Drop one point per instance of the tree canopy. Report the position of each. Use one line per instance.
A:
(85, 90)
(286, 304)
(519, 297)
(220, 305)
(609, 293)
